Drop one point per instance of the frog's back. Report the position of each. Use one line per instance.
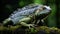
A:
(24, 12)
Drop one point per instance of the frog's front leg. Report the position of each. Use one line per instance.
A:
(26, 20)
(40, 22)
(27, 25)
(43, 23)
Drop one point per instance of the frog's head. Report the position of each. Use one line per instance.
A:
(43, 11)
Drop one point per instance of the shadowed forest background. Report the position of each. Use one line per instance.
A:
(8, 6)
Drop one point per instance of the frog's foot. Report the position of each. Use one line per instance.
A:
(27, 25)
(31, 26)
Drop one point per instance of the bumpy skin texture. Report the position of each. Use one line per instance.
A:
(31, 13)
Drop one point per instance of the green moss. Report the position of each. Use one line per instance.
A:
(3, 28)
(32, 30)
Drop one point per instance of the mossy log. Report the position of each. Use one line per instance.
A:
(37, 30)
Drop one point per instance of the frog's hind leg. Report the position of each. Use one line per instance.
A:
(7, 22)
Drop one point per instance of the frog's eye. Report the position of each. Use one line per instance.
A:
(44, 8)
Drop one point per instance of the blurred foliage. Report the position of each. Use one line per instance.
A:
(22, 3)
(52, 17)
(39, 1)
